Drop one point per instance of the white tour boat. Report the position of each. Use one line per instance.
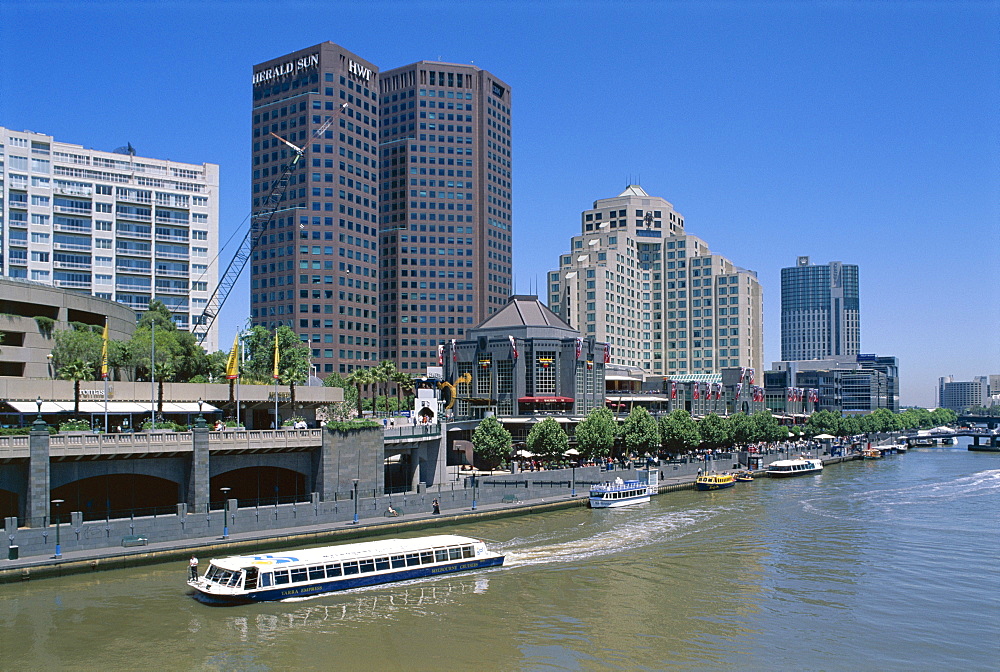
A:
(622, 493)
(795, 467)
(259, 578)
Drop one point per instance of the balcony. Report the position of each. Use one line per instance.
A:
(172, 290)
(68, 228)
(72, 265)
(133, 216)
(172, 273)
(131, 289)
(173, 255)
(126, 233)
(133, 252)
(137, 270)
(74, 191)
(75, 247)
(23, 205)
(70, 210)
(71, 284)
(133, 198)
(172, 239)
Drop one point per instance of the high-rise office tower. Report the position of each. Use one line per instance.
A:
(395, 230)
(445, 206)
(112, 224)
(636, 280)
(819, 311)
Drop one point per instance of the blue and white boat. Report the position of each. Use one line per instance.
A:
(623, 493)
(314, 571)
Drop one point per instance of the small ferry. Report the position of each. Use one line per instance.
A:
(872, 453)
(314, 571)
(715, 481)
(744, 477)
(795, 467)
(623, 493)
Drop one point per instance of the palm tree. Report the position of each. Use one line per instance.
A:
(164, 371)
(403, 382)
(360, 378)
(383, 374)
(76, 371)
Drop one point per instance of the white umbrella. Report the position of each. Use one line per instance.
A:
(524, 453)
(823, 437)
(572, 451)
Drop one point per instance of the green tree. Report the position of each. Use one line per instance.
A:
(640, 433)
(595, 436)
(943, 416)
(848, 426)
(491, 440)
(76, 371)
(404, 383)
(679, 432)
(741, 429)
(164, 372)
(73, 345)
(293, 360)
(548, 439)
(767, 428)
(382, 373)
(360, 378)
(714, 431)
(822, 422)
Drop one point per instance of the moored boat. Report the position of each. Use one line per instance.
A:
(798, 466)
(744, 477)
(260, 578)
(871, 453)
(623, 493)
(715, 481)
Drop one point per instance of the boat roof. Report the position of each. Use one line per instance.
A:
(343, 552)
(796, 460)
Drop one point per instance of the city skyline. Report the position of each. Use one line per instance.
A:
(780, 130)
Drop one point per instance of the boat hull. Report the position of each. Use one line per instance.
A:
(273, 593)
(715, 486)
(599, 503)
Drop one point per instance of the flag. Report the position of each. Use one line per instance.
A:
(790, 394)
(750, 373)
(104, 351)
(607, 353)
(275, 354)
(739, 391)
(695, 395)
(579, 346)
(233, 364)
(513, 347)
(673, 390)
(454, 350)
(441, 354)
(743, 373)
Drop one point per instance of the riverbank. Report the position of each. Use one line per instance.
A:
(104, 559)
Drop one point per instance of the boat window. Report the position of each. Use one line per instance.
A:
(299, 574)
(426, 557)
(468, 552)
(316, 573)
(351, 567)
(333, 570)
(440, 554)
(412, 559)
(398, 561)
(280, 577)
(381, 563)
(211, 573)
(454, 553)
(236, 579)
(368, 565)
(265, 580)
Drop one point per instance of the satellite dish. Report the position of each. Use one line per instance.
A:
(127, 149)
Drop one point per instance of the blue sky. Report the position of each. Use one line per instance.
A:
(862, 132)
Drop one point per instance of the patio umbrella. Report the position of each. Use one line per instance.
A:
(824, 436)
(572, 451)
(524, 453)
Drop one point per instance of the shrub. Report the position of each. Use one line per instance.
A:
(75, 425)
(45, 325)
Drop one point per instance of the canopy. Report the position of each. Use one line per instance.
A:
(116, 407)
(824, 436)
(572, 451)
(524, 453)
(545, 400)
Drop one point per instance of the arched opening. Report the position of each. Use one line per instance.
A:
(259, 486)
(117, 496)
(8, 504)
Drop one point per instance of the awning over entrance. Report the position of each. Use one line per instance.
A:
(545, 400)
(116, 407)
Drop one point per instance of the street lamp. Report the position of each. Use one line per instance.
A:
(572, 488)
(225, 512)
(475, 484)
(355, 501)
(58, 554)
(200, 420)
(52, 373)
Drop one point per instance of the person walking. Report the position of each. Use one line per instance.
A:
(437, 507)
(193, 568)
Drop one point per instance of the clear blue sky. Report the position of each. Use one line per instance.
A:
(861, 132)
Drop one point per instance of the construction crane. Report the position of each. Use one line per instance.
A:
(259, 223)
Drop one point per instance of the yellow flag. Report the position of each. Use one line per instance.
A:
(233, 365)
(275, 354)
(104, 351)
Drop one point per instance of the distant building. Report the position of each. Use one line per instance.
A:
(635, 279)
(843, 385)
(959, 395)
(111, 224)
(819, 311)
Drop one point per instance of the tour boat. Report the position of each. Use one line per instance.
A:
(623, 493)
(873, 453)
(260, 578)
(794, 467)
(744, 477)
(715, 481)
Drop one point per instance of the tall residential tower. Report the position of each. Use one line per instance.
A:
(819, 311)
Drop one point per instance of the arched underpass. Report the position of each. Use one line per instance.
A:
(259, 486)
(117, 496)
(8, 504)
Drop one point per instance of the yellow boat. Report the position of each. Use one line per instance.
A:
(715, 481)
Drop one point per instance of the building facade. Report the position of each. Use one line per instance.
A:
(959, 395)
(819, 311)
(394, 234)
(847, 385)
(635, 279)
(111, 224)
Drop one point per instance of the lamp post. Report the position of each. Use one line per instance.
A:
(200, 420)
(572, 487)
(52, 373)
(475, 484)
(355, 501)
(58, 554)
(225, 512)
(39, 423)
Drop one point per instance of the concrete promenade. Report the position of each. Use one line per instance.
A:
(371, 523)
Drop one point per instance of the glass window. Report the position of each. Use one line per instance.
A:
(281, 577)
(333, 570)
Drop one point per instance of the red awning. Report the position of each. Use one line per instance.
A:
(545, 400)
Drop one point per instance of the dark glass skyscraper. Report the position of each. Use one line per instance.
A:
(819, 311)
(395, 230)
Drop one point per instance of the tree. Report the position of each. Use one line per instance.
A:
(491, 440)
(404, 383)
(740, 429)
(548, 439)
(595, 436)
(73, 345)
(714, 431)
(767, 428)
(360, 378)
(821, 422)
(341, 410)
(678, 432)
(180, 348)
(640, 433)
(76, 371)
(293, 360)
(164, 371)
(382, 373)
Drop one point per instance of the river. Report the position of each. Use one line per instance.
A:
(874, 565)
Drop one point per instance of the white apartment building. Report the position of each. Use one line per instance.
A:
(665, 303)
(111, 224)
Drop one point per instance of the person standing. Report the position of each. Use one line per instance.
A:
(437, 507)
(193, 568)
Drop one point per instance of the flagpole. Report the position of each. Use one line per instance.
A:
(238, 362)
(104, 373)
